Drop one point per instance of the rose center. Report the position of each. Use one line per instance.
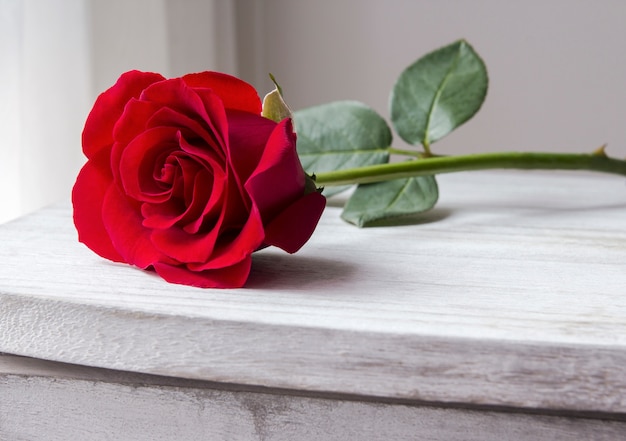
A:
(168, 172)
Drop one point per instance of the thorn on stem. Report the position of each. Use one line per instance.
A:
(600, 151)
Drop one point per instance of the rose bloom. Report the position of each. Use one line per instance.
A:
(185, 177)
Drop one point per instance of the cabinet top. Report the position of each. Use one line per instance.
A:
(510, 292)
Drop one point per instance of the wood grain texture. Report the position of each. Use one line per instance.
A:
(510, 293)
(53, 402)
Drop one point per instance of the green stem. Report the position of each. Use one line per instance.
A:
(412, 153)
(597, 162)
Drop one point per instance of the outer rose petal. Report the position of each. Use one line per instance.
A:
(122, 221)
(229, 277)
(249, 239)
(87, 195)
(294, 226)
(279, 178)
(98, 131)
(126, 128)
(248, 135)
(235, 93)
(184, 247)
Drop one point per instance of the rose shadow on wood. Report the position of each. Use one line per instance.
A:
(275, 270)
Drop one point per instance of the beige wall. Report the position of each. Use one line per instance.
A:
(557, 67)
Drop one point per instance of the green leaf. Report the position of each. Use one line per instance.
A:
(340, 135)
(438, 93)
(373, 204)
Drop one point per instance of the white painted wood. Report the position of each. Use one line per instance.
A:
(55, 402)
(512, 296)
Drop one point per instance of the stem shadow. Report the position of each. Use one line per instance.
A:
(432, 215)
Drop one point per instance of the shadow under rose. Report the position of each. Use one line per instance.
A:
(272, 269)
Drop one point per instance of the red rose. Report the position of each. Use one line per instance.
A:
(184, 176)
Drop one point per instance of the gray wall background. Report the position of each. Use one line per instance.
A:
(557, 68)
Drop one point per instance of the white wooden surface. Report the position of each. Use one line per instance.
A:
(510, 293)
(44, 401)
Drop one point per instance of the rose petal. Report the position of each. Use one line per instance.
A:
(235, 93)
(91, 185)
(162, 215)
(208, 108)
(279, 178)
(206, 191)
(123, 222)
(244, 242)
(130, 124)
(236, 206)
(293, 227)
(134, 119)
(136, 166)
(199, 247)
(201, 210)
(98, 131)
(184, 247)
(247, 138)
(190, 129)
(229, 277)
